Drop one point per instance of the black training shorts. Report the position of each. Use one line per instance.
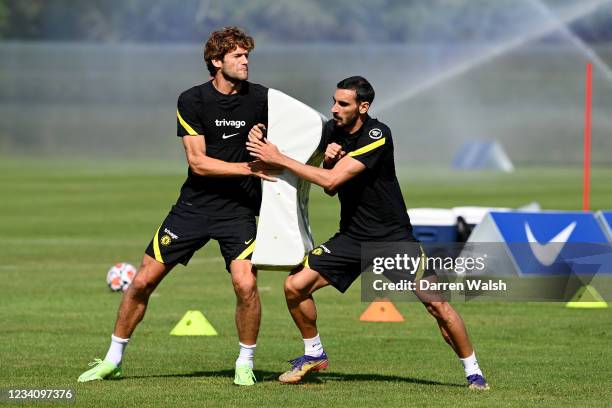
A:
(182, 233)
(339, 259)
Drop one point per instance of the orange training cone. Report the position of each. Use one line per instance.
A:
(381, 311)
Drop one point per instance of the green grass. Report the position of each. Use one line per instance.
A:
(64, 222)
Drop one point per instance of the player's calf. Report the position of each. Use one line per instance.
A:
(455, 334)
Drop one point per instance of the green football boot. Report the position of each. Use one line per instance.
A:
(101, 370)
(244, 375)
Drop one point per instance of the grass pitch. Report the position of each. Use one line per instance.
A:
(65, 222)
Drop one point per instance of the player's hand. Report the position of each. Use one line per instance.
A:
(333, 153)
(264, 171)
(265, 151)
(257, 132)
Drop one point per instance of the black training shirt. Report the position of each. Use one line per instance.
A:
(225, 121)
(372, 206)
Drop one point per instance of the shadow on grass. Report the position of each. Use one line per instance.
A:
(317, 378)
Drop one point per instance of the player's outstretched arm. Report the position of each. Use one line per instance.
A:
(203, 165)
(333, 154)
(329, 179)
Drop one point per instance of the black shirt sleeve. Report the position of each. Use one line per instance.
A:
(187, 120)
(263, 108)
(371, 146)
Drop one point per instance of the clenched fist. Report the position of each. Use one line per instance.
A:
(333, 153)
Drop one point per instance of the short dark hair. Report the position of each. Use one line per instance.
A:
(223, 41)
(364, 90)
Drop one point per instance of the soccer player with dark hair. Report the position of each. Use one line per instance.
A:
(359, 166)
(219, 200)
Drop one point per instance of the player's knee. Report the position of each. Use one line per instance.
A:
(148, 276)
(292, 291)
(245, 286)
(142, 285)
(439, 310)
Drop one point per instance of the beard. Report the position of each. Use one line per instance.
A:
(235, 76)
(344, 124)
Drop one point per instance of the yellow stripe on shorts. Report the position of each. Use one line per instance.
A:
(156, 250)
(248, 251)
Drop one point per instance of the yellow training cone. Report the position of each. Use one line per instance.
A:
(193, 324)
(587, 298)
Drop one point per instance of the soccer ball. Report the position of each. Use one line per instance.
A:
(120, 276)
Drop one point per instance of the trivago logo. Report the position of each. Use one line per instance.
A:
(230, 123)
(547, 242)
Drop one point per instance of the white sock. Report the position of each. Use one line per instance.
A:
(313, 347)
(246, 354)
(116, 349)
(470, 365)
